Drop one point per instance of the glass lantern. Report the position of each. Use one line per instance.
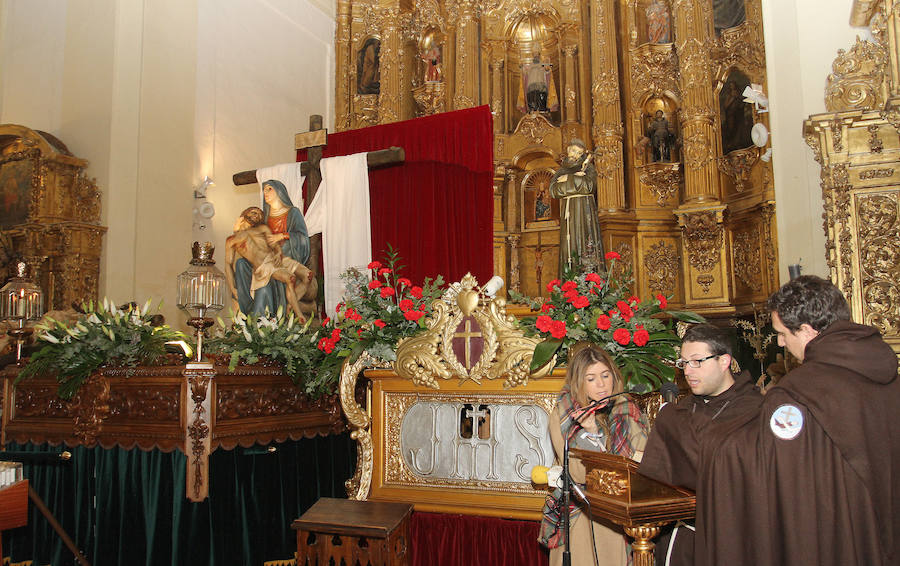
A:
(201, 291)
(21, 301)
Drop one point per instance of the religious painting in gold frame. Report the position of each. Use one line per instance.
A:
(15, 191)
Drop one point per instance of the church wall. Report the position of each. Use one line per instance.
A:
(31, 53)
(802, 39)
(262, 71)
(158, 94)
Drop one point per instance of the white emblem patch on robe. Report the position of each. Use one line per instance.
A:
(786, 422)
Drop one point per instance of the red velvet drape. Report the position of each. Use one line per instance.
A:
(461, 540)
(436, 209)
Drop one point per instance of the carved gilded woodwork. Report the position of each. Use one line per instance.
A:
(52, 215)
(654, 72)
(430, 98)
(747, 259)
(662, 180)
(857, 78)
(464, 312)
(738, 164)
(662, 266)
(608, 77)
(703, 237)
(860, 163)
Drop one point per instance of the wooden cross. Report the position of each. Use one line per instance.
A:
(313, 141)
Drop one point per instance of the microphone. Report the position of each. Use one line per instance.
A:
(542, 475)
(669, 392)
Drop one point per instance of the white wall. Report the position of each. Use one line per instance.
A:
(802, 39)
(158, 93)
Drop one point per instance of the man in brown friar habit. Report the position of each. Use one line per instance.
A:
(814, 477)
(717, 397)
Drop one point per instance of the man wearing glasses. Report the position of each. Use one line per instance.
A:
(717, 396)
(814, 476)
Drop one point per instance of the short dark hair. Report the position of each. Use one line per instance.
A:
(716, 338)
(809, 300)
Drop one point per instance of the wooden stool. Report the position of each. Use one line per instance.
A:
(374, 533)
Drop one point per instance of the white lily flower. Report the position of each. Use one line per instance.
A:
(47, 337)
(146, 308)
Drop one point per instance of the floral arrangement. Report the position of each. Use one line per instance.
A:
(280, 339)
(379, 309)
(103, 335)
(600, 308)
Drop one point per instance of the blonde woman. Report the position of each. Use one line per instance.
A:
(618, 427)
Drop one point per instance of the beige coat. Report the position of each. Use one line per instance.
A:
(608, 538)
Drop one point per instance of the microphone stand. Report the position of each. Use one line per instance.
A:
(567, 479)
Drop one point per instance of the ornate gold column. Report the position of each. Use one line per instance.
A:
(466, 56)
(569, 95)
(342, 58)
(389, 97)
(497, 99)
(701, 177)
(607, 115)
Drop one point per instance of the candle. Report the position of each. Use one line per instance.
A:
(794, 270)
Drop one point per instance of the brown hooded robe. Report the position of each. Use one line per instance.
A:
(829, 496)
(673, 449)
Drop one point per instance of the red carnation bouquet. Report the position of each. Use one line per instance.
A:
(380, 307)
(601, 308)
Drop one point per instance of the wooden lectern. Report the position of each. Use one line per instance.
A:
(618, 493)
(13, 508)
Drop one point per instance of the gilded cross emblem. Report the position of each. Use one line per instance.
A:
(468, 342)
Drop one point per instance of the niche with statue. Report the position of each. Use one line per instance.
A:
(659, 120)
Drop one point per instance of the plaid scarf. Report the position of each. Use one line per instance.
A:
(619, 417)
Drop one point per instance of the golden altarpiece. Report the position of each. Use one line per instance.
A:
(654, 88)
(856, 142)
(50, 216)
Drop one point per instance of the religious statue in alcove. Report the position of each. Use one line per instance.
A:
(537, 92)
(575, 185)
(661, 137)
(737, 115)
(542, 205)
(432, 58)
(368, 71)
(658, 22)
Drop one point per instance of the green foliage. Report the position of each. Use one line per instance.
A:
(281, 339)
(104, 335)
(600, 308)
